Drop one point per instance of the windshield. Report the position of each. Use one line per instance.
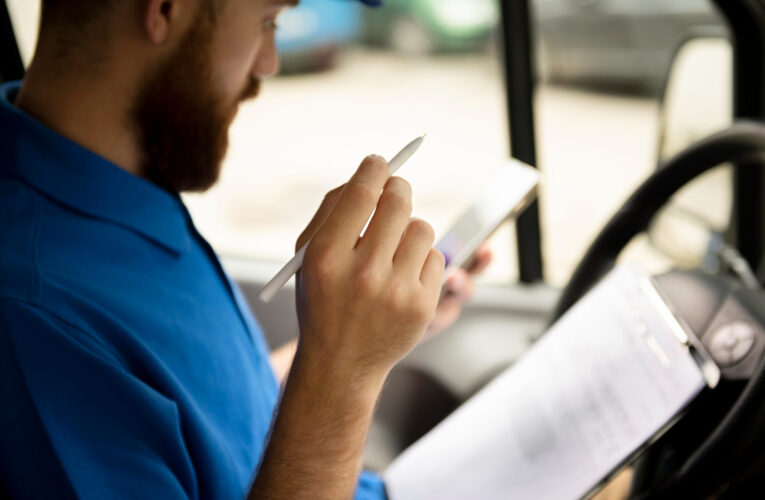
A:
(356, 81)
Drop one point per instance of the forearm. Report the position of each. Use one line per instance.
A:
(317, 439)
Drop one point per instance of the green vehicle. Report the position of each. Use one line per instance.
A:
(427, 26)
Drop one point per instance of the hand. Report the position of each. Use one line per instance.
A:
(460, 288)
(363, 303)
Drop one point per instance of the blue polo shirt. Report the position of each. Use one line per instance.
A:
(130, 365)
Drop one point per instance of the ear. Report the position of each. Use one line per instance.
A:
(160, 17)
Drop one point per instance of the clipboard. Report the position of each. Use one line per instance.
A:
(604, 383)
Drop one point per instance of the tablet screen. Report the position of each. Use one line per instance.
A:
(503, 197)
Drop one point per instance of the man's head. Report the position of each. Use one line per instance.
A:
(182, 117)
(194, 60)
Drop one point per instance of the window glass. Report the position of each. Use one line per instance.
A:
(605, 120)
(24, 16)
(357, 81)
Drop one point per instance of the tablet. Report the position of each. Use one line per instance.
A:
(607, 380)
(510, 190)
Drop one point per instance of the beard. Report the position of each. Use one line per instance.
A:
(181, 121)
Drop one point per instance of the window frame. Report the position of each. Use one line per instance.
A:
(11, 65)
(746, 20)
(517, 51)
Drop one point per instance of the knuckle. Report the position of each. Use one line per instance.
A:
(422, 230)
(398, 295)
(320, 262)
(363, 193)
(438, 257)
(418, 309)
(367, 281)
(403, 298)
(400, 186)
(397, 201)
(374, 166)
(398, 193)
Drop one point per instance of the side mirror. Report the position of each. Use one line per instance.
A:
(697, 101)
(698, 96)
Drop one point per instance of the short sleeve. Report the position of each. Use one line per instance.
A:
(371, 487)
(113, 435)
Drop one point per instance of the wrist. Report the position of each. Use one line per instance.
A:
(320, 429)
(344, 374)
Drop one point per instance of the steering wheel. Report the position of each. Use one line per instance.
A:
(742, 142)
(738, 143)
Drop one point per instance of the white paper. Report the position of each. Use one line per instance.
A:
(605, 379)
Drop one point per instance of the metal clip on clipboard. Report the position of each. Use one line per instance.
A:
(683, 333)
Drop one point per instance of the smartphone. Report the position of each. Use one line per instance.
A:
(509, 191)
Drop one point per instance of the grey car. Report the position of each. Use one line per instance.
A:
(618, 42)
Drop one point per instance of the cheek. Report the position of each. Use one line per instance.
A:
(234, 55)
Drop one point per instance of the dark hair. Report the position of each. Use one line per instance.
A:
(81, 13)
(77, 14)
(77, 27)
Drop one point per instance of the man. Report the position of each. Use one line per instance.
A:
(130, 366)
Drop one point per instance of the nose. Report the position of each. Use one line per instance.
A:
(267, 62)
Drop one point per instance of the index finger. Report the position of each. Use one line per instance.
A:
(356, 203)
(330, 199)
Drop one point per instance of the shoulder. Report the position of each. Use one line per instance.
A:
(41, 241)
(23, 323)
(20, 223)
(48, 252)
(40, 294)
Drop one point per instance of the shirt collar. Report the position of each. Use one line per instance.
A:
(86, 182)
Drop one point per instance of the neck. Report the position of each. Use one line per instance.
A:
(93, 112)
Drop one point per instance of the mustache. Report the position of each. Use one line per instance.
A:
(251, 89)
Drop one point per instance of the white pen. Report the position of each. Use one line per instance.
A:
(294, 264)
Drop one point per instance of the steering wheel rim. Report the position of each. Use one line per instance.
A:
(742, 141)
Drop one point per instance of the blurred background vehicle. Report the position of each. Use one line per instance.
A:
(310, 35)
(427, 26)
(628, 43)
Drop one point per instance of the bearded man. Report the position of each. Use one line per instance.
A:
(130, 365)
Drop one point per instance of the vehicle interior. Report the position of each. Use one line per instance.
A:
(645, 120)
